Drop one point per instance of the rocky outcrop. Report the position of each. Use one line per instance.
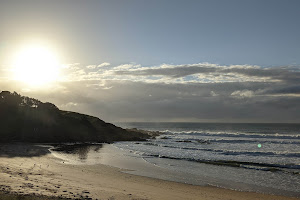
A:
(24, 119)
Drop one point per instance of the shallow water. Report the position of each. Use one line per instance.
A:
(262, 157)
(180, 170)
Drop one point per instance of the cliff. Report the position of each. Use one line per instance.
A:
(24, 119)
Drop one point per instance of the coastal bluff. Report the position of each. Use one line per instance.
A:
(25, 119)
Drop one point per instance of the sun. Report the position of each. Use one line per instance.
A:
(36, 65)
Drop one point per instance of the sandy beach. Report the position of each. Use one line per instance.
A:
(31, 169)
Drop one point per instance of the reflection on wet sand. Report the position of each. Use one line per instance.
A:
(23, 150)
(81, 150)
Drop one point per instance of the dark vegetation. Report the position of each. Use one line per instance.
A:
(24, 119)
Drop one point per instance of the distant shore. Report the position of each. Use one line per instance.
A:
(31, 170)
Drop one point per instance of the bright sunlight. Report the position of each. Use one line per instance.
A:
(36, 65)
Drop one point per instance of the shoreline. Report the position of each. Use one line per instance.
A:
(24, 171)
(164, 169)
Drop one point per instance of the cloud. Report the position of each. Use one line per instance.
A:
(242, 94)
(104, 64)
(205, 72)
(185, 74)
(91, 66)
(197, 92)
(127, 67)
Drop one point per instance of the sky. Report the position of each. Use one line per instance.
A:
(169, 60)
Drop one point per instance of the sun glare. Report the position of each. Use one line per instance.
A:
(36, 65)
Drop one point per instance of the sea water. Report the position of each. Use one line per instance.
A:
(250, 157)
(263, 158)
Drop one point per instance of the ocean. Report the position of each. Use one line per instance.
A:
(250, 157)
(262, 158)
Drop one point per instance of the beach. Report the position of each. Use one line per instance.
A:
(32, 169)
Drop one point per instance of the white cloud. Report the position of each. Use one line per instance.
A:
(127, 67)
(181, 74)
(104, 64)
(98, 66)
(91, 66)
(241, 94)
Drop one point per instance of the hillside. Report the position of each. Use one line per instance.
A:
(24, 119)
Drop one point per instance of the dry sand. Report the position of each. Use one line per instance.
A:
(27, 169)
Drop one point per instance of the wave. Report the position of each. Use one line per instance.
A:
(287, 168)
(253, 141)
(229, 152)
(209, 141)
(234, 134)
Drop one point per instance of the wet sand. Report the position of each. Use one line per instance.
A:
(28, 169)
